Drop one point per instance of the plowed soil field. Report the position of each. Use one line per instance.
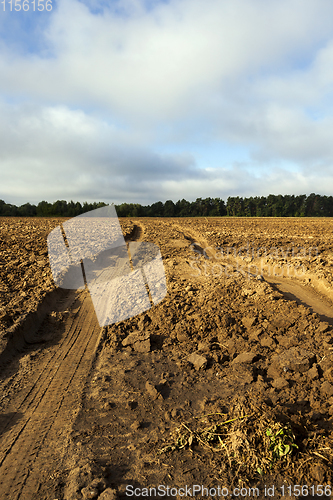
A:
(224, 389)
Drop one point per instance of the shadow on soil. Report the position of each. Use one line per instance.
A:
(36, 330)
(291, 296)
(9, 420)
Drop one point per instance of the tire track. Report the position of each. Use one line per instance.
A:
(136, 234)
(305, 295)
(291, 290)
(48, 407)
(25, 397)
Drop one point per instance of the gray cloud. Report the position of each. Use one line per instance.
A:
(110, 86)
(58, 152)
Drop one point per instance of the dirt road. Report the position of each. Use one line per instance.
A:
(43, 371)
(39, 410)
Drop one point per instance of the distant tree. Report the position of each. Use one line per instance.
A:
(27, 210)
(310, 205)
(300, 205)
(328, 204)
(59, 208)
(223, 208)
(260, 206)
(44, 209)
(169, 208)
(278, 206)
(230, 206)
(2, 207)
(196, 208)
(289, 208)
(137, 210)
(156, 209)
(183, 208)
(8, 210)
(215, 210)
(249, 207)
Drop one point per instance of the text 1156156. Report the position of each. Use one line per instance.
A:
(25, 5)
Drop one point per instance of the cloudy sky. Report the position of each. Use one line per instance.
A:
(147, 100)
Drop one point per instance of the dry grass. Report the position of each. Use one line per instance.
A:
(252, 438)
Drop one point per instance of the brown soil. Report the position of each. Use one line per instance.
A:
(184, 393)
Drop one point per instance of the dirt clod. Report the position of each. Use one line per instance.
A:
(140, 341)
(108, 494)
(198, 361)
(295, 359)
(152, 391)
(89, 492)
(245, 357)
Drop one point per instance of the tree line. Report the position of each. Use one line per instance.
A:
(59, 208)
(314, 205)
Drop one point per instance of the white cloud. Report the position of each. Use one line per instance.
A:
(110, 85)
(155, 65)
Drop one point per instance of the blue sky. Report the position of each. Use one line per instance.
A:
(139, 101)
